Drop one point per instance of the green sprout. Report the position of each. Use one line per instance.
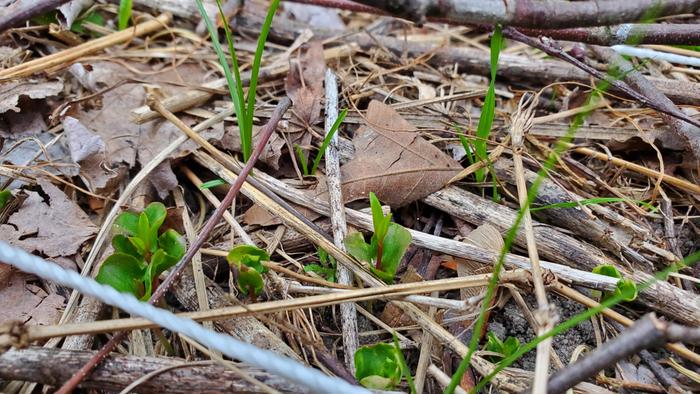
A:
(381, 366)
(626, 289)
(322, 150)
(141, 252)
(327, 267)
(387, 246)
(125, 7)
(504, 348)
(246, 262)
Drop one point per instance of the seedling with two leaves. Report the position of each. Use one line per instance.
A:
(141, 252)
(326, 268)
(626, 288)
(246, 262)
(387, 246)
(504, 348)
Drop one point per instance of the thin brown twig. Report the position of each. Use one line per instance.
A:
(649, 332)
(265, 134)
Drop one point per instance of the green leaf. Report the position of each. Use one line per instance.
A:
(324, 272)
(607, 270)
(144, 233)
(381, 222)
(127, 223)
(488, 111)
(302, 159)
(358, 248)
(160, 262)
(5, 196)
(122, 244)
(396, 242)
(327, 140)
(124, 13)
(493, 343)
(248, 255)
(405, 370)
(212, 183)
(173, 244)
(156, 213)
(139, 245)
(627, 289)
(510, 346)
(378, 366)
(92, 17)
(124, 273)
(250, 281)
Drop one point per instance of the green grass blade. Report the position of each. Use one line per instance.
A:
(573, 204)
(488, 111)
(125, 7)
(466, 144)
(302, 159)
(255, 70)
(327, 139)
(237, 101)
(405, 370)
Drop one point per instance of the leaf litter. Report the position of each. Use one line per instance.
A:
(404, 110)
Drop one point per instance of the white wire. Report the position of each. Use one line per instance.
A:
(247, 353)
(656, 55)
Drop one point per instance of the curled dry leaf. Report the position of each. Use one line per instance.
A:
(393, 161)
(57, 227)
(11, 91)
(28, 303)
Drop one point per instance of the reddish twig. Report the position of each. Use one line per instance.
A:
(533, 14)
(23, 10)
(642, 33)
(174, 275)
(550, 48)
(649, 332)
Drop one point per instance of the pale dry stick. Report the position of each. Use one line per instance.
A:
(145, 378)
(403, 290)
(265, 134)
(192, 98)
(671, 180)
(442, 378)
(197, 271)
(572, 294)
(521, 124)
(426, 352)
(511, 378)
(67, 56)
(348, 314)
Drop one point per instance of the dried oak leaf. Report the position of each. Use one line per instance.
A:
(28, 303)
(271, 153)
(393, 161)
(10, 92)
(54, 228)
(304, 85)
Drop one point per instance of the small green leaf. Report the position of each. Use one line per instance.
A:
(302, 159)
(156, 213)
(5, 196)
(173, 244)
(324, 272)
(124, 273)
(396, 242)
(124, 13)
(607, 270)
(327, 140)
(127, 223)
(144, 233)
(122, 244)
(92, 17)
(381, 222)
(212, 183)
(358, 248)
(248, 255)
(627, 289)
(405, 370)
(139, 245)
(160, 262)
(510, 346)
(378, 366)
(493, 343)
(250, 281)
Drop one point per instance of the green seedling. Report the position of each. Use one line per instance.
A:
(488, 112)
(387, 246)
(327, 267)
(504, 348)
(5, 197)
(141, 252)
(302, 160)
(125, 7)
(244, 108)
(77, 26)
(625, 289)
(246, 262)
(468, 145)
(381, 366)
(322, 150)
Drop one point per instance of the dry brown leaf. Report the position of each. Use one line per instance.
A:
(10, 92)
(28, 303)
(256, 215)
(272, 151)
(57, 227)
(304, 85)
(393, 161)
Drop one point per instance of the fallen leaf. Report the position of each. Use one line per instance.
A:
(57, 227)
(272, 151)
(393, 161)
(485, 236)
(316, 16)
(28, 303)
(10, 92)
(304, 85)
(256, 215)
(70, 11)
